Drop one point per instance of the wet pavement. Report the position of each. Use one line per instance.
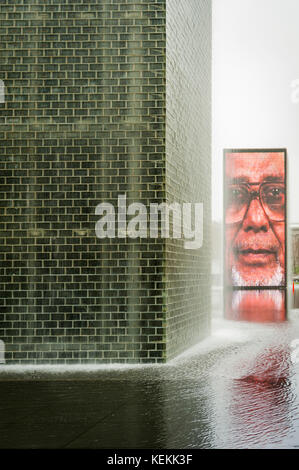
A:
(237, 389)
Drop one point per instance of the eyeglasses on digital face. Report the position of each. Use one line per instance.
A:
(270, 195)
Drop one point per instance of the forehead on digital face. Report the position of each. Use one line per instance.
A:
(254, 167)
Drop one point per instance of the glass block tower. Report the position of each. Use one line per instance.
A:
(102, 98)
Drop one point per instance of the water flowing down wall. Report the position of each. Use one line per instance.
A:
(83, 119)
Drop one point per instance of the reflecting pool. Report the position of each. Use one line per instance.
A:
(237, 389)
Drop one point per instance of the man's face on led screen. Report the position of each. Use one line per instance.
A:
(255, 218)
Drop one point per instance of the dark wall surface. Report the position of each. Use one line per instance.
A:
(188, 166)
(83, 121)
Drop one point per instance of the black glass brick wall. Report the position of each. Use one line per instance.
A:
(188, 167)
(84, 120)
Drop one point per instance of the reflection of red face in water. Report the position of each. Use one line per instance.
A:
(255, 219)
(256, 305)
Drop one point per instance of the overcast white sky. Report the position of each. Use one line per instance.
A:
(255, 60)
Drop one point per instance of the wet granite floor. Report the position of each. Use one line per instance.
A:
(237, 389)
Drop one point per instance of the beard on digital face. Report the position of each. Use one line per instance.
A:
(256, 260)
(277, 278)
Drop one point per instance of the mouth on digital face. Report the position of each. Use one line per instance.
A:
(256, 256)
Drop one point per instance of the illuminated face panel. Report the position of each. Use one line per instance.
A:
(255, 207)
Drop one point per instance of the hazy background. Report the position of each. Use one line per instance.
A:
(255, 61)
